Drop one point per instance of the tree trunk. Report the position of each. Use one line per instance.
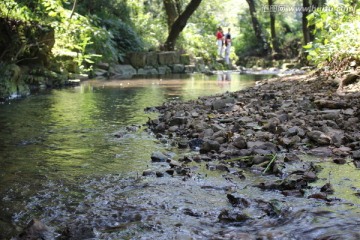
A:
(180, 24)
(305, 27)
(308, 30)
(73, 9)
(257, 28)
(172, 12)
(272, 28)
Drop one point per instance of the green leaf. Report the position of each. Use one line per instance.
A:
(88, 60)
(319, 25)
(52, 14)
(308, 46)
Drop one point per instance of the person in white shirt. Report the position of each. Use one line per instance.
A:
(227, 46)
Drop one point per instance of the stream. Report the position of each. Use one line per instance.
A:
(61, 163)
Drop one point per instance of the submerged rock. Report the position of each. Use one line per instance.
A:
(36, 230)
(232, 216)
(209, 145)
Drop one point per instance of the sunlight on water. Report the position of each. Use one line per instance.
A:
(68, 134)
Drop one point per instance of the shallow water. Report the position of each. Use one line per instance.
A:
(61, 163)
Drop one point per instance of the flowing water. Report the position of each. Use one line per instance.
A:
(61, 163)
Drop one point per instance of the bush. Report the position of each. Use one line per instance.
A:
(337, 36)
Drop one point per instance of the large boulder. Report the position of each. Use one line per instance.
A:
(164, 70)
(35, 230)
(190, 68)
(178, 68)
(12, 82)
(147, 71)
(122, 71)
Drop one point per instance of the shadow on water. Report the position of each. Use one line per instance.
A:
(62, 163)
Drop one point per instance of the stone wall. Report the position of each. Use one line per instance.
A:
(150, 64)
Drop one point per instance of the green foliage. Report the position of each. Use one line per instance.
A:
(198, 38)
(245, 44)
(148, 21)
(287, 26)
(337, 34)
(100, 35)
(123, 36)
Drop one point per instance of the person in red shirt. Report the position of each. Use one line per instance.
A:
(220, 41)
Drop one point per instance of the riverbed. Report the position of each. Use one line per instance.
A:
(62, 163)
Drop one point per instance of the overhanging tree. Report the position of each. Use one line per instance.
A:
(180, 23)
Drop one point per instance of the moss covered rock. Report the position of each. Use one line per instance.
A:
(11, 83)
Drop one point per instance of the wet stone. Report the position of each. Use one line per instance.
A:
(293, 193)
(159, 174)
(173, 128)
(357, 163)
(209, 145)
(260, 159)
(219, 167)
(35, 230)
(327, 188)
(178, 121)
(310, 176)
(339, 160)
(321, 151)
(148, 173)
(183, 143)
(195, 114)
(221, 103)
(173, 163)
(238, 201)
(356, 155)
(319, 137)
(186, 159)
(321, 196)
(190, 212)
(158, 157)
(196, 143)
(240, 143)
(232, 216)
(170, 171)
(290, 157)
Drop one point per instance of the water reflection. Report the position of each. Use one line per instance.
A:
(67, 133)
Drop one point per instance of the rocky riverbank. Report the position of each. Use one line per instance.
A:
(256, 139)
(267, 129)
